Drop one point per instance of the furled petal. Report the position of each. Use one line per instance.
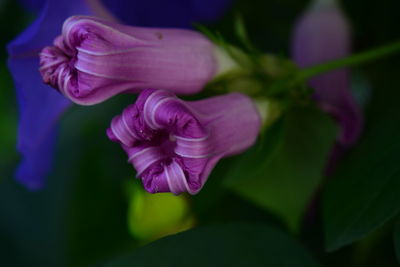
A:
(94, 60)
(171, 13)
(323, 34)
(174, 144)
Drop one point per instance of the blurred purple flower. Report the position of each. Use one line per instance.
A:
(40, 107)
(323, 34)
(175, 144)
(94, 60)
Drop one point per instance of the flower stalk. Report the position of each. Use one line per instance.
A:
(353, 60)
(289, 81)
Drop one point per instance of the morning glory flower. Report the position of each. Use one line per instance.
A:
(323, 34)
(40, 107)
(94, 60)
(175, 144)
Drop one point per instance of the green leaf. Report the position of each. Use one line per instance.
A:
(397, 240)
(283, 174)
(365, 192)
(96, 210)
(241, 33)
(234, 244)
(8, 122)
(207, 32)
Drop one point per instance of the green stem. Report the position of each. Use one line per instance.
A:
(349, 61)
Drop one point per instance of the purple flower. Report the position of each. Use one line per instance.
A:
(323, 34)
(94, 60)
(174, 144)
(40, 107)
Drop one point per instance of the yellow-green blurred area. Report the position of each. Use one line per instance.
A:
(270, 206)
(152, 216)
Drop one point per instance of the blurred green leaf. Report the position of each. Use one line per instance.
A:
(365, 191)
(79, 217)
(284, 173)
(241, 33)
(30, 232)
(96, 209)
(8, 121)
(234, 244)
(357, 203)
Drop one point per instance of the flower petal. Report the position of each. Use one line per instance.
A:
(39, 105)
(37, 162)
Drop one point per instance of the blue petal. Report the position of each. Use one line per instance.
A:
(37, 162)
(33, 5)
(40, 106)
(171, 13)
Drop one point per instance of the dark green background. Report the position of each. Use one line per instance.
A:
(79, 218)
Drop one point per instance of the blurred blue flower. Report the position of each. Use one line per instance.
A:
(40, 107)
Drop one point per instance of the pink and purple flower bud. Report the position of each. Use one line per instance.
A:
(93, 60)
(175, 144)
(323, 34)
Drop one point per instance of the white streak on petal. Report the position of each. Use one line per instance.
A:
(68, 26)
(141, 152)
(196, 148)
(101, 75)
(187, 139)
(201, 156)
(154, 110)
(51, 63)
(59, 78)
(115, 132)
(112, 52)
(176, 179)
(46, 55)
(146, 111)
(147, 158)
(128, 128)
(66, 81)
